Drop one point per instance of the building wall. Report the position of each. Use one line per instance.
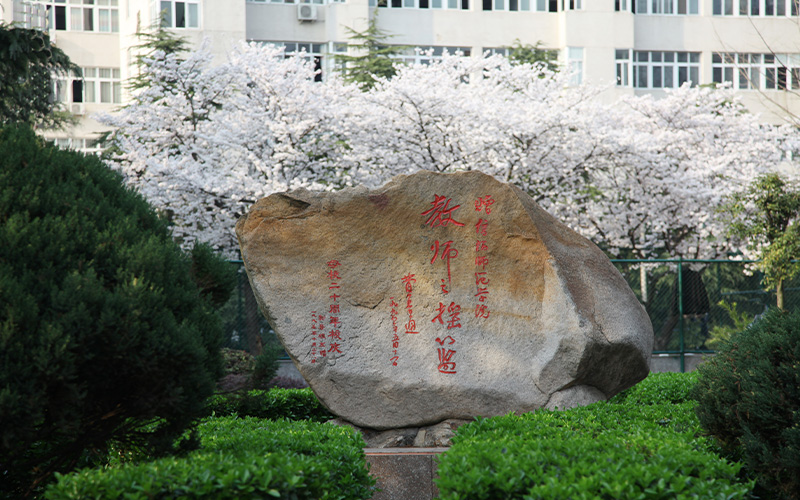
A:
(596, 31)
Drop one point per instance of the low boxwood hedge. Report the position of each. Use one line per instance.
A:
(659, 388)
(276, 403)
(630, 448)
(239, 458)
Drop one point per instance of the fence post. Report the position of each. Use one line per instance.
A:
(680, 314)
(240, 305)
(643, 282)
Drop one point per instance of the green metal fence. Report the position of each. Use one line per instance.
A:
(686, 299)
(244, 324)
(682, 298)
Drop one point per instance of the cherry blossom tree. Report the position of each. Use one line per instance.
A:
(203, 142)
(661, 166)
(641, 176)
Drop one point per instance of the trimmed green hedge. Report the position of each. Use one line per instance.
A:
(276, 403)
(659, 388)
(636, 449)
(240, 458)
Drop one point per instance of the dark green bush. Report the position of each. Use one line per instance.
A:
(604, 451)
(749, 399)
(291, 404)
(266, 365)
(659, 388)
(103, 330)
(240, 458)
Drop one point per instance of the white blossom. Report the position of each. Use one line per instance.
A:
(643, 175)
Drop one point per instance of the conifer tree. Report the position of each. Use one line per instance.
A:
(28, 64)
(108, 331)
(372, 58)
(155, 43)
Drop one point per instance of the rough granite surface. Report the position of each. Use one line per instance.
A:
(441, 296)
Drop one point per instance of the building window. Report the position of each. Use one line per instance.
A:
(655, 69)
(523, 5)
(575, 65)
(432, 4)
(318, 53)
(424, 55)
(318, 2)
(102, 85)
(668, 7)
(757, 71)
(179, 14)
(98, 85)
(756, 7)
(571, 4)
(548, 57)
(100, 16)
(31, 15)
(517, 5)
(623, 63)
(313, 52)
(84, 145)
(621, 5)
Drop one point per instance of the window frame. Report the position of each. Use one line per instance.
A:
(575, 62)
(660, 65)
(666, 7)
(170, 18)
(623, 60)
(75, 15)
(756, 71)
(756, 8)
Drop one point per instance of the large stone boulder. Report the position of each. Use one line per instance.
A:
(441, 296)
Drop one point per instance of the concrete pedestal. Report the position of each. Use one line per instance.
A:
(404, 473)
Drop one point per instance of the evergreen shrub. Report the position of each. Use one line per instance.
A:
(239, 458)
(266, 365)
(104, 334)
(749, 400)
(659, 388)
(603, 451)
(276, 403)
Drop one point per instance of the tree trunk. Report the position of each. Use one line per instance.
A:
(252, 321)
(662, 340)
(779, 294)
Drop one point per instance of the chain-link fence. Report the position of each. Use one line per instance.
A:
(245, 326)
(689, 303)
(692, 302)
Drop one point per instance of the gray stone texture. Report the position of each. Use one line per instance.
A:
(433, 436)
(534, 316)
(404, 474)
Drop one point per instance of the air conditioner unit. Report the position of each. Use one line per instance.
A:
(77, 108)
(306, 12)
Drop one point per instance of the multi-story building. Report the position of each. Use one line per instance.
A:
(632, 46)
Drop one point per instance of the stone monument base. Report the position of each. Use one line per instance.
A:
(432, 436)
(404, 473)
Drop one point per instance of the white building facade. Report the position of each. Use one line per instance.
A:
(631, 46)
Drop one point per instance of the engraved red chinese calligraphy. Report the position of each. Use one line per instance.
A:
(481, 226)
(446, 365)
(484, 203)
(411, 326)
(395, 337)
(444, 253)
(335, 335)
(441, 214)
